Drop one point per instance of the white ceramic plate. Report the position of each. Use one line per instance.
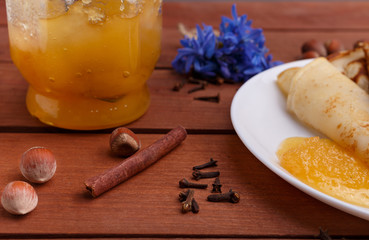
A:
(259, 116)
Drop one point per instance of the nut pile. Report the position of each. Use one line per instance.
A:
(315, 48)
(189, 204)
(38, 165)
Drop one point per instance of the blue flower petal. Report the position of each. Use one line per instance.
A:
(238, 53)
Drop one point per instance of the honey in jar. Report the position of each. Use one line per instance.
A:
(86, 61)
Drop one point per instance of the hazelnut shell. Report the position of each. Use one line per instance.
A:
(38, 164)
(124, 142)
(19, 198)
(314, 45)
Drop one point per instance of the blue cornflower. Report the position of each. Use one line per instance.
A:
(242, 53)
(237, 54)
(197, 54)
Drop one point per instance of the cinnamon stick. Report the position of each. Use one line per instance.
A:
(136, 163)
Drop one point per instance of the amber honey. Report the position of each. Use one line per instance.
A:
(327, 167)
(87, 61)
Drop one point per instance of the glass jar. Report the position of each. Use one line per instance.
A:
(86, 61)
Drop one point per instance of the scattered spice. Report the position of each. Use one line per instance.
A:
(215, 99)
(136, 163)
(211, 163)
(178, 86)
(195, 206)
(323, 235)
(217, 187)
(196, 81)
(195, 89)
(188, 201)
(231, 196)
(187, 197)
(183, 183)
(199, 174)
(183, 195)
(187, 204)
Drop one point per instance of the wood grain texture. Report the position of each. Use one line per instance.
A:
(298, 15)
(291, 25)
(294, 15)
(167, 110)
(147, 204)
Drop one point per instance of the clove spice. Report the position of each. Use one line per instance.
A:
(323, 235)
(199, 174)
(211, 163)
(136, 163)
(178, 86)
(215, 99)
(183, 183)
(231, 196)
(217, 187)
(195, 206)
(195, 89)
(196, 81)
(183, 195)
(187, 204)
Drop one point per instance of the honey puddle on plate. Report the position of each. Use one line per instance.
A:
(327, 167)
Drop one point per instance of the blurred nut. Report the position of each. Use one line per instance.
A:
(359, 43)
(334, 46)
(310, 54)
(314, 45)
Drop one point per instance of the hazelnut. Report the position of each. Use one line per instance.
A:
(334, 46)
(310, 54)
(314, 45)
(124, 142)
(38, 164)
(19, 198)
(359, 43)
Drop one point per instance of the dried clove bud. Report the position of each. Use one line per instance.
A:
(178, 86)
(183, 195)
(195, 206)
(197, 81)
(323, 235)
(187, 204)
(202, 87)
(183, 183)
(215, 99)
(217, 187)
(231, 196)
(199, 174)
(212, 163)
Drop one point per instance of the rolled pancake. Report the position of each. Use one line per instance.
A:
(322, 97)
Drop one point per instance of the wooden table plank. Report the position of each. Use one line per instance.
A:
(278, 15)
(147, 204)
(167, 110)
(296, 15)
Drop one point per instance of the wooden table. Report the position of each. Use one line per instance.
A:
(146, 206)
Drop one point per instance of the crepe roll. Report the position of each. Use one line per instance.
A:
(323, 98)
